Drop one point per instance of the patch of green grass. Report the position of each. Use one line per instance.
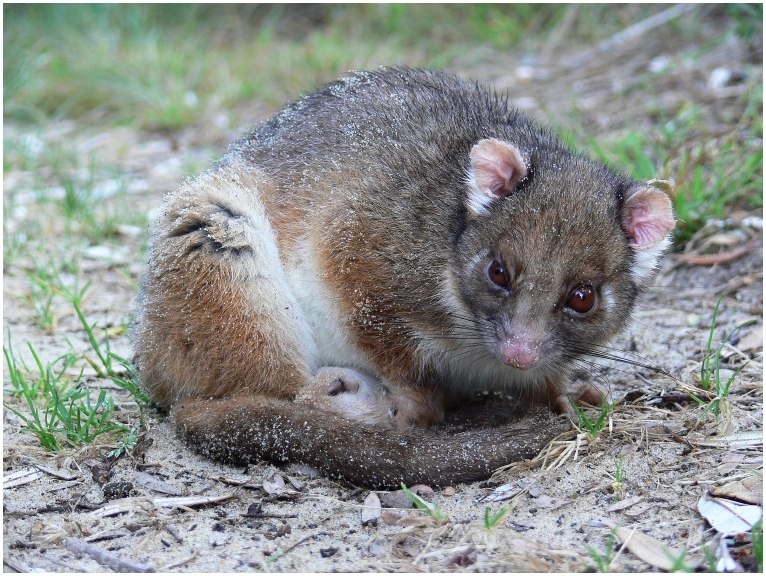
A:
(432, 510)
(164, 66)
(710, 369)
(492, 520)
(95, 216)
(712, 173)
(757, 537)
(46, 285)
(603, 560)
(110, 365)
(594, 426)
(59, 412)
(41, 297)
(749, 19)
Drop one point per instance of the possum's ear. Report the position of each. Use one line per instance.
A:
(496, 169)
(647, 216)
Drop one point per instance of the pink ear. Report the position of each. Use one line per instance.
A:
(648, 217)
(497, 167)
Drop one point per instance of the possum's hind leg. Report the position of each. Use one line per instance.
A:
(216, 317)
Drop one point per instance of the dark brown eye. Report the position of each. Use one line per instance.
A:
(582, 299)
(497, 274)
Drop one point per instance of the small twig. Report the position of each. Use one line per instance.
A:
(281, 516)
(174, 533)
(103, 557)
(302, 540)
(167, 567)
(50, 471)
(720, 257)
(631, 33)
(17, 566)
(641, 28)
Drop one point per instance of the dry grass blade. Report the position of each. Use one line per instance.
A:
(141, 503)
(555, 454)
(49, 471)
(21, 477)
(103, 557)
(737, 441)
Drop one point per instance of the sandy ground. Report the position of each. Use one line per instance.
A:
(164, 508)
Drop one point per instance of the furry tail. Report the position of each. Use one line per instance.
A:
(242, 430)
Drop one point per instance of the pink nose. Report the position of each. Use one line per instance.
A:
(520, 353)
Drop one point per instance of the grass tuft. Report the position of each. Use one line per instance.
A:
(110, 365)
(710, 370)
(432, 510)
(492, 520)
(603, 560)
(594, 426)
(59, 412)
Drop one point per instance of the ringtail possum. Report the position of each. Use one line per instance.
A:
(364, 262)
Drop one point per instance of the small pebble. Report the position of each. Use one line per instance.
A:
(115, 490)
(693, 319)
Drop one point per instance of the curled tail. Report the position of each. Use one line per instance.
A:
(240, 430)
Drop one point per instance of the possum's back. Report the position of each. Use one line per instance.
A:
(394, 120)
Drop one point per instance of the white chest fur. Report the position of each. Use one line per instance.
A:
(332, 341)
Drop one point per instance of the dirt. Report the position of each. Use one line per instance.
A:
(165, 508)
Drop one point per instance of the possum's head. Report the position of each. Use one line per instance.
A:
(555, 250)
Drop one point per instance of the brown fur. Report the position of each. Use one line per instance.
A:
(321, 294)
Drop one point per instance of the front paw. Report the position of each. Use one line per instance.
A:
(350, 394)
(417, 406)
(588, 395)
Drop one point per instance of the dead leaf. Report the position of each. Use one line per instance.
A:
(371, 510)
(639, 510)
(546, 501)
(728, 516)
(297, 484)
(414, 521)
(627, 503)
(649, 550)
(748, 490)
(273, 483)
(241, 480)
(752, 341)
(151, 482)
(506, 491)
(391, 518)
(724, 239)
